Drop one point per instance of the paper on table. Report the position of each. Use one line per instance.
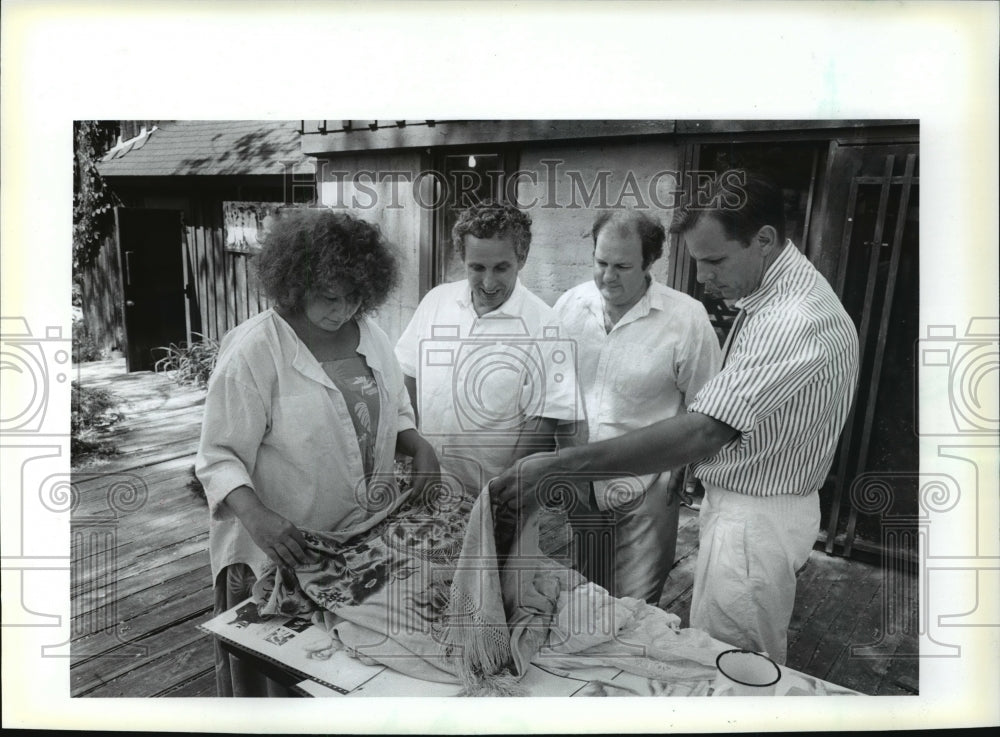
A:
(292, 642)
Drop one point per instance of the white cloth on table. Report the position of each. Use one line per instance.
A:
(593, 628)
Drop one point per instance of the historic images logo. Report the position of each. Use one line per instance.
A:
(551, 187)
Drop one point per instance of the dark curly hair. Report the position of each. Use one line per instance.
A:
(308, 248)
(491, 220)
(651, 232)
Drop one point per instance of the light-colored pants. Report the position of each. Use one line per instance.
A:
(749, 550)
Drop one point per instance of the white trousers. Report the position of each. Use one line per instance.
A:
(749, 550)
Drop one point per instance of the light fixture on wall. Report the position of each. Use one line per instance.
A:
(472, 162)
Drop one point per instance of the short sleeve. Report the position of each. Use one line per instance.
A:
(771, 365)
(561, 398)
(701, 356)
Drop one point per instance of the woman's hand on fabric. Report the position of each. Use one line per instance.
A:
(276, 536)
(426, 470)
(280, 539)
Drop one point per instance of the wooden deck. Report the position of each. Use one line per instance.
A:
(141, 580)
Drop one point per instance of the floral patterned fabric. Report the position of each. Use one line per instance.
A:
(425, 591)
(356, 382)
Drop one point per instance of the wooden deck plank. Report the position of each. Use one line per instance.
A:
(864, 674)
(90, 598)
(91, 478)
(165, 482)
(201, 685)
(141, 460)
(834, 644)
(167, 502)
(156, 435)
(811, 649)
(186, 535)
(176, 657)
(143, 613)
(133, 545)
(903, 677)
(812, 589)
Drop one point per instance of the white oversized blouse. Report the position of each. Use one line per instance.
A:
(274, 421)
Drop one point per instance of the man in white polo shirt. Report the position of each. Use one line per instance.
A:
(761, 434)
(644, 351)
(490, 374)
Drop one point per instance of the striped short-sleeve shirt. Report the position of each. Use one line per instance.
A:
(786, 386)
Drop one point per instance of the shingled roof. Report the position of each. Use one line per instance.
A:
(210, 148)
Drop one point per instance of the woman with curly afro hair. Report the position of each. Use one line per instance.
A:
(305, 411)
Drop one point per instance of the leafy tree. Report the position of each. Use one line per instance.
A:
(93, 200)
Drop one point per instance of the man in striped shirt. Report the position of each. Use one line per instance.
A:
(761, 435)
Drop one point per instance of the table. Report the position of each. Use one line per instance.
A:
(299, 655)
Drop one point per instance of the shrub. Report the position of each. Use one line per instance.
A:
(85, 347)
(92, 413)
(189, 364)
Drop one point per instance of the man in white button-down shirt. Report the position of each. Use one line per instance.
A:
(483, 358)
(644, 351)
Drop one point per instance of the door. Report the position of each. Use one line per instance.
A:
(466, 177)
(152, 277)
(871, 256)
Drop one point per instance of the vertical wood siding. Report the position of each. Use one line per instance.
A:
(101, 294)
(222, 286)
(227, 292)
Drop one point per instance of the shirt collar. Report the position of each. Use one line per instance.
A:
(784, 263)
(513, 307)
(306, 364)
(652, 299)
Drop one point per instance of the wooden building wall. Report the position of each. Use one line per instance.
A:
(223, 283)
(101, 297)
(222, 288)
(563, 179)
